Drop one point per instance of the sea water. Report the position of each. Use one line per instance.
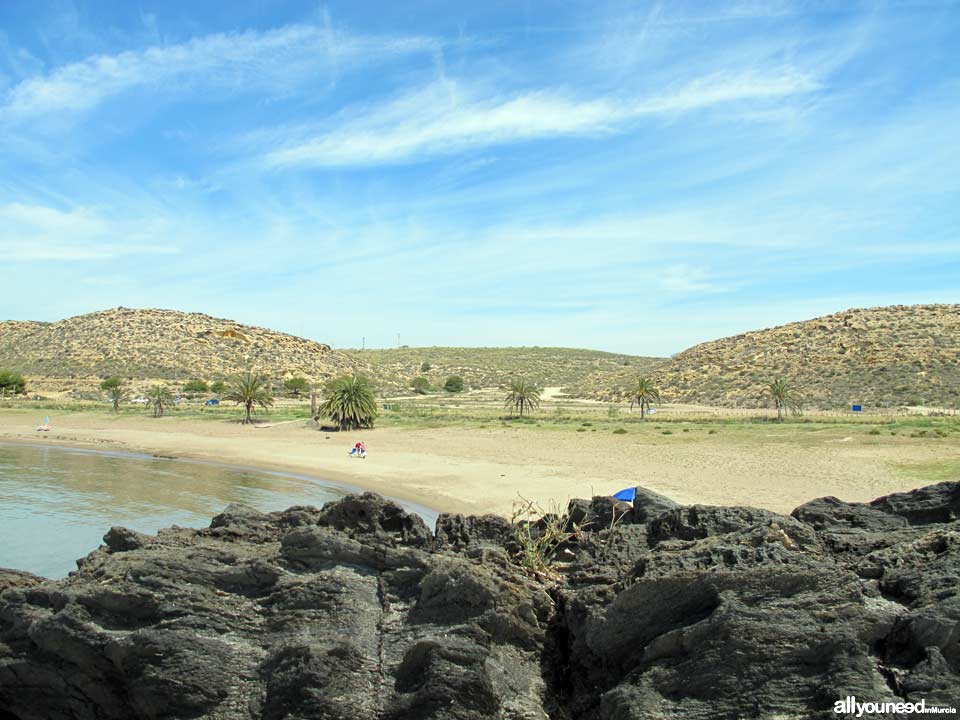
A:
(56, 503)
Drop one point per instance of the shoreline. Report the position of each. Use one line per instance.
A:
(474, 471)
(344, 480)
(425, 511)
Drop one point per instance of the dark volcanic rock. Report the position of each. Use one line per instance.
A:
(17, 579)
(357, 611)
(647, 505)
(121, 539)
(459, 532)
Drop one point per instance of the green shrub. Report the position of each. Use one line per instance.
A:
(296, 385)
(194, 386)
(110, 383)
(453, 384)
(619, 431)
(420, 385)
(874, 431)
(581, 429)
(11, 382)
(219, 387)
(667, 432)
(425, 366)
(711, 432)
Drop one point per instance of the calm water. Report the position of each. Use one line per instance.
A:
(57, 503)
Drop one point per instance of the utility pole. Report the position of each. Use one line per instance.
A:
(398, 339)
(363, 343)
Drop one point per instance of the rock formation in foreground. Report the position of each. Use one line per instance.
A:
(358, 611)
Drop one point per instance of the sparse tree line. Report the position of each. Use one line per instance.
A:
(350, 401)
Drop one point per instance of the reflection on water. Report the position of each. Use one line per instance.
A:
(57, 503)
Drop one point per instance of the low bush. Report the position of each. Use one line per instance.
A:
(453, 384)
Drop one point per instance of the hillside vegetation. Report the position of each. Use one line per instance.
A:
(162, 344)
(492, 367)
(877, 357)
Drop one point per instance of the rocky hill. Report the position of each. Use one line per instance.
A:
(493, 367)
(160, 344)
(884, 356)
(877, 357)
(358, 610)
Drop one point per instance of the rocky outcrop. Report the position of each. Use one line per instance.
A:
(357, 610)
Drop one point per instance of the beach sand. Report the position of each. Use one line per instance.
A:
(480, 470)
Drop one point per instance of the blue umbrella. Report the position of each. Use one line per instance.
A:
(627, 495)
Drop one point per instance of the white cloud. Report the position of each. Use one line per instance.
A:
(684, 279)
(273, 60)
(30, 233)
(444, 118)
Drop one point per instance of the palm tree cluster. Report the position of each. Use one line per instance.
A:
(784, 396)
(159, 396)
(250, 390)
(350, 403)
(522, 396)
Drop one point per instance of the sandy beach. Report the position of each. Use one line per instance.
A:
(474, 470)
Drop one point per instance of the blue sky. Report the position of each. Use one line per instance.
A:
(635, 177)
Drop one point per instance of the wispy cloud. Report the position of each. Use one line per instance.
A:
(684, 279)
(30, 233)
(446, 118)
(274, 60)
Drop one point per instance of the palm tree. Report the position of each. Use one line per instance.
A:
(784, 396)
(115, 390)
(522, 396)
(250, 390)
(351, 403)
(643, 394)
(159, 396)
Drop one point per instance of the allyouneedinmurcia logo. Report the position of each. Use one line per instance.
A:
(851, 706)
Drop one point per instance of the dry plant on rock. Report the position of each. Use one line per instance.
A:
(540, 533)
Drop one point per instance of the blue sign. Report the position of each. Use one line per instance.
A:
(858, 408)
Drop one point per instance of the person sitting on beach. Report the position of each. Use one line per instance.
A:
(363, 450)
(355, 450)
